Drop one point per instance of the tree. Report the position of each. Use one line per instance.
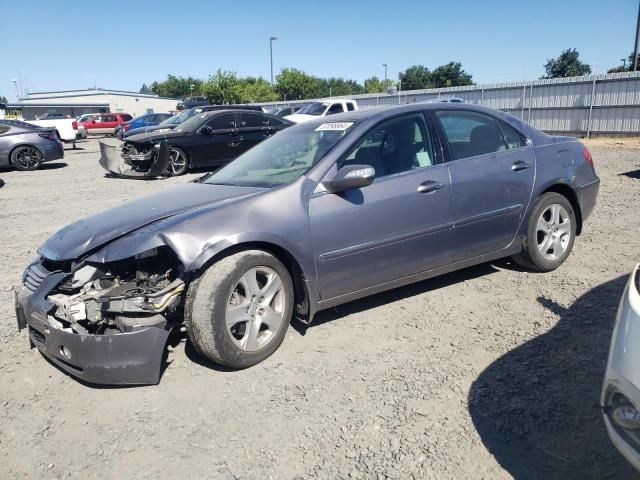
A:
(375, 85)
(256, 89)
(416, 77)
(625, 68)
(293, 84)
(145, 89)
(3, 99)
(567, 64)
(176, 87)
(337, 87)
(449, 75)
(222, 88)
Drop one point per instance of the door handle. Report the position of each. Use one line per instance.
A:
(430, 186)
(520, 165)
(235, 144)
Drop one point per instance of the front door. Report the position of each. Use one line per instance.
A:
(492, 172)
(399, 225)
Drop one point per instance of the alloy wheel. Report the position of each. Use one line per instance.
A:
(178, 163)
(256, 308)
(27, 157)
(553, 232)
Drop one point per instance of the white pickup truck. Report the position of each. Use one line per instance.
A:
(321, 109)
(67, 128)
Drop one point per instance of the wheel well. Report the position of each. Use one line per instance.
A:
(297, 276)
(567, 192)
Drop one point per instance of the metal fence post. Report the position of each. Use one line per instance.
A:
(524, 99)
(530, 102)
(482, 96)
(591, 102)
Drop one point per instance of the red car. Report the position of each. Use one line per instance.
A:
(105, 123)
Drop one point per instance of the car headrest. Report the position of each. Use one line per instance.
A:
(485, 139)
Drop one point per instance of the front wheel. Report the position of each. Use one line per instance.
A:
(550, 234)
(179, 162)
(237, 313)
(26, 158)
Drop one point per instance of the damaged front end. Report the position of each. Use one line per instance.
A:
(104, 322)
(148, 160)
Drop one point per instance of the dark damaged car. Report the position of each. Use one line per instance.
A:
(323, 213)
(208, 139)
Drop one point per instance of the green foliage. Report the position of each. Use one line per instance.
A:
(3, 99)
(176, 87)
(416, 77)
(225, 87)
(449, 75)
(626, 68)
(567, 64)
(338, 86)
(375, 85)
(293, 84)
(145, 89)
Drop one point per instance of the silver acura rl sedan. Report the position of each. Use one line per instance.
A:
(621, 389)
(319, 214)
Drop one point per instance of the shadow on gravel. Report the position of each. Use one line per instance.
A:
(394, 295)
(1, 183)
(537, 407)
(53, 166)
(632, 174)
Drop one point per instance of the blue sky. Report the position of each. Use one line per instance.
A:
(65, 44)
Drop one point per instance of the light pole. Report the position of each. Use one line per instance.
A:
(271, 39)
(385, 73)
(191, 87)
(15, 84)
(624, 63)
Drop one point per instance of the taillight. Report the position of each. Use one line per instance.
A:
(49, 136)
(74, 125)
(588, 158)
(126, 127)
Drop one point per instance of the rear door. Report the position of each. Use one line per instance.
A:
(254, 128)
(399, 225)
(492, 171)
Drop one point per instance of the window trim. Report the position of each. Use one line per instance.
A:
(448, 157)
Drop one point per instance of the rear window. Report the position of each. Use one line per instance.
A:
(126, 118)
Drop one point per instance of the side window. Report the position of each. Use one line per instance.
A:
(4, 129)
(109, 118)
(126, 118)
(223, 122)
(253, 120)
(335, 108)
(513, 137)
(276, 122)
(471, 133)
(350, 107)
(396, 146)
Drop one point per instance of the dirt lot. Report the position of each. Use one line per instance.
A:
(492, 372)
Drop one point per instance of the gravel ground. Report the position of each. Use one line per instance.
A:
(491, 372)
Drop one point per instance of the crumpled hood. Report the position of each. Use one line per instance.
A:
(300, 117)
(143, 130)
(76, 239)
(153, 136)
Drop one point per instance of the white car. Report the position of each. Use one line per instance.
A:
(321, 109)
(67, 128)
(621, 388)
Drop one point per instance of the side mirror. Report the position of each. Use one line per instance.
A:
(206, 130)
(350, 177)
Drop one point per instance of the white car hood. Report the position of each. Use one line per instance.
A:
(300, 117)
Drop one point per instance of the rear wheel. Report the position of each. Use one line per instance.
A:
(26, 158)
(550, 234)
(237, 313)
(179, 163)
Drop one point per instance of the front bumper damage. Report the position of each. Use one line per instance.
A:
(106, 336)
(151, 164)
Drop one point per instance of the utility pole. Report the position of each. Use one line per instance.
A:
(271, 39)
(635, 45)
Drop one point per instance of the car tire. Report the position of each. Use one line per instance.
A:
(233, 320)
(551, 231)
(26, 158)
(178, 165)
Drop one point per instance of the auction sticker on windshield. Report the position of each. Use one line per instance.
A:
(334, 126)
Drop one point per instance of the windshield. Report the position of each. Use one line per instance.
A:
(284, 157)
(193, 123)
(316, 108)
(182, 116)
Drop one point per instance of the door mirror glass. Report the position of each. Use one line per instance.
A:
(350, 177)
(206, 130)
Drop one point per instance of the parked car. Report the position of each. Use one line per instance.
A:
(51, 116)
(206, 139)
(148, 120)
(85, 117)
(621, 388)
(105, 123)
(321, 109)
(444, 100)
(68, 129)
(192, 102)
(320, 214)
(24, 146)
(289, 110)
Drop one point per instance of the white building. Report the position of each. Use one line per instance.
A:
(78, 102)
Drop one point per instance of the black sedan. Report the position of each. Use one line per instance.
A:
(205, 140)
